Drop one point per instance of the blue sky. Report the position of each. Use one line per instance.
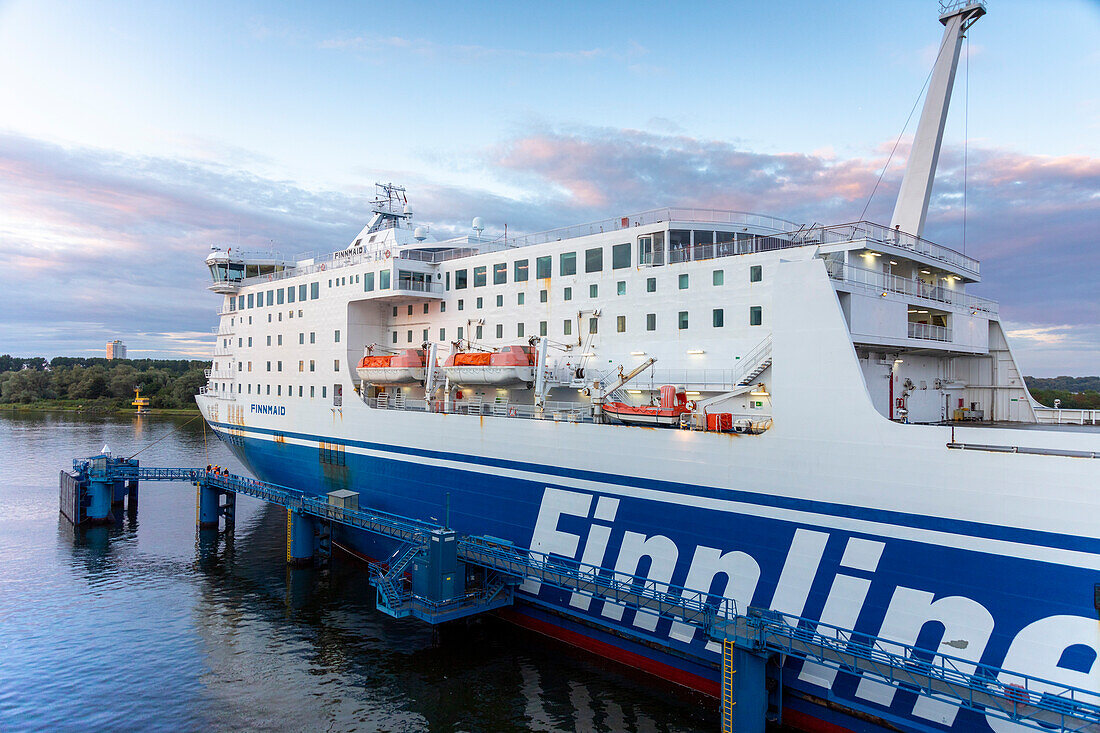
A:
(136, 134)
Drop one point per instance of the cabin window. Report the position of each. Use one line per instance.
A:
(324, 391)
(756, 274)
(268, 388)
(301, 365)
(651, 285)
(567, 327)
(593, 290)
(542, 328)
(442, 306)
(756, 315)
(519, 330)
(279, 296)
(620, 324)
(678, 239)
(542, 267)
(719, 318)
(269, 341)
(620, 287)
(314, 290)
(480, 302)
(250, 305)
(569, 293)
(448, 281)
(500, 273)
(409, 336)
(519, 271)
(240, 302)
(520, 298)
(500, 330)
(593, 259)
(394, 341)
(500, 301)
(395, 311)
(593, 325)
(301, 338)
(280, 340)
(279, 364)
(461, 303)
(544, 295)
(249, 342)
(410, 312)
(718, 277)
(312, 391)
(336, 336)
(460, 280)
(480, 276)
(335, 365)
(313, 337)
(290, 294)
(460, 330)
(442, 334)
(683, 281)
(368, 282)
(568, 264)
(271, 297)
(424, 336)
(384, 280)
(478, 333)
(278, 390)
(425, 308)
(302, 292)
(620, 256)
(683, 320)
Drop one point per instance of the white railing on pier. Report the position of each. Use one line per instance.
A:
(913, 288)
(929, 332)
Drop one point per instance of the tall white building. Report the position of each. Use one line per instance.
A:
(116, 350)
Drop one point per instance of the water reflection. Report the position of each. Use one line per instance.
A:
(153, 607)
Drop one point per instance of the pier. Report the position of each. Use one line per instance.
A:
(437, 575)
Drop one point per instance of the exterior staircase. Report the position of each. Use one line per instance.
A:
(754, 363)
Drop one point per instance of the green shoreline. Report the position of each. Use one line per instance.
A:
(94, 409)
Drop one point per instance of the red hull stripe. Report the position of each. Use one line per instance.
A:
(802, 721)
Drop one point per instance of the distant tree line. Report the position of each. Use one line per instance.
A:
(1075, 393)
(97, 382)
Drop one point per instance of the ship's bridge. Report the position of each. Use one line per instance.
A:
(229, 267)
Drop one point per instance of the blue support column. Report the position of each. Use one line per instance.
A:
(118, 497)
(100, 494)
(208, 507)
(744, 705)
(131, 493)
(299, 538)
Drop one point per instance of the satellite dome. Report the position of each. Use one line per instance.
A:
(420, 234)
(408, 210)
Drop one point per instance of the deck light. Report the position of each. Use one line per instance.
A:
(922, 311)
(634, 391)
(760, 393)
(926, 272)
(588, 353)
(637, 353)
(691, 393)
(696, 351)
(893, 262)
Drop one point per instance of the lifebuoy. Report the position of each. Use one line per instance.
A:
(387, 253)
(691, 405)
(512, 412)
(322, 267)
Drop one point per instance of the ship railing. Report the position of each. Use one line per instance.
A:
(746, 245)
(217, 374)
(1064, 416)
(222, 351)
(885, 235)
(929, 332)
(420, 286)
(556, 411)
(873, 280)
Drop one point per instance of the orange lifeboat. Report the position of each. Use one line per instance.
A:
(405, 368)
(510, 365)
(667, 414)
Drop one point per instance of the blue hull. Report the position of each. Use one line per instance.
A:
(1015, 592)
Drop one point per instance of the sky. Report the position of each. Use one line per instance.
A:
(133, 136)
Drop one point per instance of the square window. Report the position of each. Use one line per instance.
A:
(620, 324)
(519, 330)
(756, 316)
(460, 279)
(384, 280)
(542, 328)
(593, 259)
(500, 273)
(756, 274)
(500, 330)
(519, 271)
(718, 277)
(480, 276)
(542, 267)
(568, 263)
(500, 301)
(620, 256)
(569, 293)
(544, 296)
(480, 302)
(684, 281)
(683, 320)
(314, 291)
(593, 325)
(567, 327)
(520, 298)
(651, 285)
(620, 287)
(593, 291)
(719, 318)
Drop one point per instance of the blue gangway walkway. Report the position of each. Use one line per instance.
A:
(426, 578)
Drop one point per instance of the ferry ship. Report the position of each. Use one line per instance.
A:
(821, 420)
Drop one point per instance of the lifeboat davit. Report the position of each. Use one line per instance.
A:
(510, 365)
(404, 368)
(667, 414)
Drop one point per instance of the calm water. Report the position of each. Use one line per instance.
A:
(142, 627)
